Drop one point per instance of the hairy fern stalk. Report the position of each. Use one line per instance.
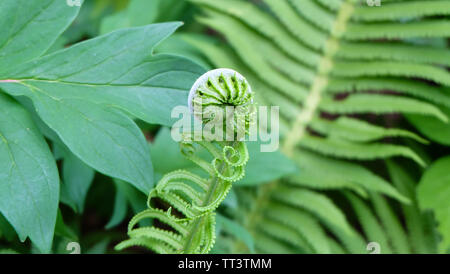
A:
(187, 201)
(318, 59)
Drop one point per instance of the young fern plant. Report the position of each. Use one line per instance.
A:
(184, 201)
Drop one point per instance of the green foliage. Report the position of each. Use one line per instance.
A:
(144, 12)
(434, 129)
(30, 183)
(83, 95)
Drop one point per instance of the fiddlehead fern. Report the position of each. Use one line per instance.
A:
(182, 204)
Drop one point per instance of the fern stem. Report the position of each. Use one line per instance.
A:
(215, 181)
(254, 214)
(320, 82)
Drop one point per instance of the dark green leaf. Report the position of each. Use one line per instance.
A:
(77, 178)
(29, 189)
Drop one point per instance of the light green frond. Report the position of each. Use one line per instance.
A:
(164, 236)
(335, 247)
(316, 14)
(313, 202)
(391, 223)
(402, 10)
(372, 228)
(283, 233)
(331, 4)
(266, 244)
(359, 69)
(435, 94)
(415, 221)
(353, 243)
(264, 24)
(320, 172)
(245, 49)
(426, 28)
(152, 244)
(349, 150)
(357, 130)
(394, 52)
(381, 104)
(303, 223)
(298, 26)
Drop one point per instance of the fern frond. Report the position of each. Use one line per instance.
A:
(356, 177)
(399, 10)
(333, 5)
(393, 227)
(415, 221)
(286, 234)
(303, 223)
(353, 243)
(437, 95)
(299, 27)
(335, 247)
(189, 201)
(314, 202)
(427, 28)
(264, 24)
(377, 103)
(246, 51)
(266, 244)
(314, 13)
(358, 130)
(372, 228)
(379, 68)
(350, 150)
(394, 51)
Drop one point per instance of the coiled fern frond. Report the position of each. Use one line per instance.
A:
(182, 204)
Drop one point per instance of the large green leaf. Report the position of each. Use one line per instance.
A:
(126, 196)
(29, 183)
(29, 28)
(77, 179)
(77, 92)
(119, 211)
(116, 69)
(433, 192)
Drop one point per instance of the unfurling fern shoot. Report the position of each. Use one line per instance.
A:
(182, 204)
